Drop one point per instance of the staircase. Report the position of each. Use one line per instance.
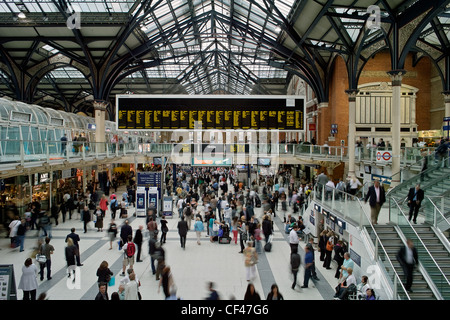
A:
(392, 242)
(435, 182)
(438, 251)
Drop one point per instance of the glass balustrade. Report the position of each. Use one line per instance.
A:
(351, 209)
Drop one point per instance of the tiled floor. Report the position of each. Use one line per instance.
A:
(192, 268)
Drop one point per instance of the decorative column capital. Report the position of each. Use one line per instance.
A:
(446, 96)
(100, 105)
(352, 94)
(396, 76)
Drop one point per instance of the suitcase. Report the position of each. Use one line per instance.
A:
(268, 245)
(224, 240)
(257, 202)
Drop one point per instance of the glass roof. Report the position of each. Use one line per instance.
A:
(67, 73)
(200, 44)
(48, 6)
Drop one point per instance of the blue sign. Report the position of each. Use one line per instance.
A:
(149, 179)
(382, 179)
(447, 119)
(355, 257)
(446, 128)
(140, 201)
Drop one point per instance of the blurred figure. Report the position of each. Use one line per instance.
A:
(408, 258)
(213, 295)
(251, 293)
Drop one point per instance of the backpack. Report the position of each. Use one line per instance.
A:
(131, 249)
(188, 211)
(114, 205)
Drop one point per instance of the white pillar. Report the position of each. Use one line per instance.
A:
(447, 103)
(351, 130)
(396, 79)
(100, 131)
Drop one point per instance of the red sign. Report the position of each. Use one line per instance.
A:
(312, 127)
(384, 156)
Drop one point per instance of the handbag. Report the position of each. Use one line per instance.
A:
(112, 281)
(41, 258)
(215, 227)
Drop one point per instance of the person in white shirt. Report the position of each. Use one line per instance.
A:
(180, 206)
(329, 186)
(13, 227)
(354, 185)
(344, 287)
(362, 288)
(293, 239)
(132, 288)
(227, 212)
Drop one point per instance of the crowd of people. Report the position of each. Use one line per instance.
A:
(212, 201)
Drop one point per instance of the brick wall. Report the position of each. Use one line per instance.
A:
(418, 76)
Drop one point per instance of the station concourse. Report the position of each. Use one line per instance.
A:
(140, 98)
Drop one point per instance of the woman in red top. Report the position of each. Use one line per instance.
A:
(104, 204)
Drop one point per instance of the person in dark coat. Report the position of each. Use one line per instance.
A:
(295, 265)
(182, 231)
(323, 244)
(266, 227)
(104, 274)
(71, 252)
(86, 217)
(125, 231)
(102, 294)
(377, 198)
(408, 259)
(339, 251)
(75, 238)
(415, 197)
(138, 241)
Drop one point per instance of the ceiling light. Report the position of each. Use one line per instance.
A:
(21, 15)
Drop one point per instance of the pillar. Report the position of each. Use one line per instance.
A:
(447, 103)
(351, 130)
(100, 132)
(322, 125)
(396, 80)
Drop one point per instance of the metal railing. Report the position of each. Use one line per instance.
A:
(439, 211)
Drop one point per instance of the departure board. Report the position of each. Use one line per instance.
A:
(172, 112)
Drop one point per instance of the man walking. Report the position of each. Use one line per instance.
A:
(415, 197)
(295, 266)
(182, 231)
(75, 238)
(293, 239)
(377, 198)
(309, 262)
(408, 258)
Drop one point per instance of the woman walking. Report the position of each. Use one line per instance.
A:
(28, 281)
(198, 228)
(251, 259)
(71, 253)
